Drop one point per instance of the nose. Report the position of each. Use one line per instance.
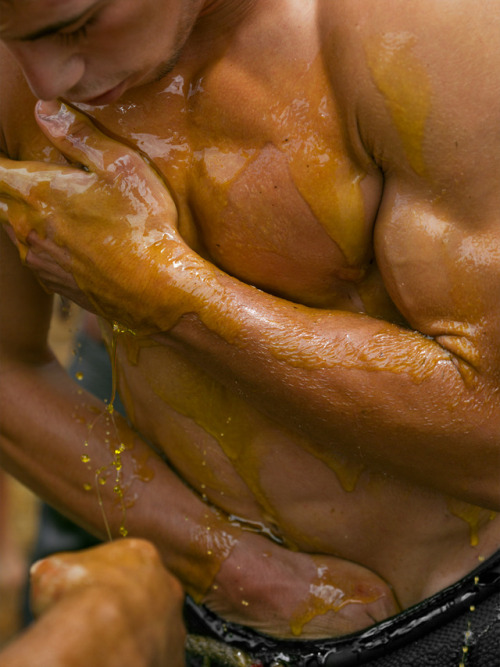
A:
(50, 70)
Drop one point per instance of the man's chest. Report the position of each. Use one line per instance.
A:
(263, 176)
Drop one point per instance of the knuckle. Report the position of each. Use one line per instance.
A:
(78, 130)
(125, 163)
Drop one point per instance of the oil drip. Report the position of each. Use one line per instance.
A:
(404, 83)
(118, 441)
(473, 515)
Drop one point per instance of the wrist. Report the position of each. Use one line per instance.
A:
(194, 540)
(187, 284)
(252, 584)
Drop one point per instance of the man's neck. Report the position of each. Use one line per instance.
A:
(216, 26)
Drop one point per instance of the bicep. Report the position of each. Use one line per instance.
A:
(443, 274)
(25, 308)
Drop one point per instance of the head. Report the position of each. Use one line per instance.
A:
(94, 50)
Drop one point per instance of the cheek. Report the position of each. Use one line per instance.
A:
(124, 53)
(139, 27)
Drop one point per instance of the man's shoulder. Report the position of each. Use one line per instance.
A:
(415, 74)
(16, 103)
(446, 38)
(425, 17)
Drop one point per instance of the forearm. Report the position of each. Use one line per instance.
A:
(355, 385)
(61, 442)
(243, 576)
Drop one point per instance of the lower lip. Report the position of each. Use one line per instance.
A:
(108, 97)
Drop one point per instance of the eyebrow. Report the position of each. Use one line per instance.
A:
(54, 28)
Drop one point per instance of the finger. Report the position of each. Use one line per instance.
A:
(17, 179)
(4, 211)
(13, 220)
(74, 134)
(53, 577)
(23, 181)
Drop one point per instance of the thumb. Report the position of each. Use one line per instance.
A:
(74, 134)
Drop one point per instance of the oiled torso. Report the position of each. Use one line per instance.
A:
(270, 189)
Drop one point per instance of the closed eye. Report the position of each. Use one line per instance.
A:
(78, 29)
(74, 35)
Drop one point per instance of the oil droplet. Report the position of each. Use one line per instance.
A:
(123, 531)
(468, 640)
(87, 487)
(79, 376)
(85, 459)
(120, 329)
(245, 603)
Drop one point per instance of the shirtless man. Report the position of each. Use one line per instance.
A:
(289, 219)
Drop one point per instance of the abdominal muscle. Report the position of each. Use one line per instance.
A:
(273, 481)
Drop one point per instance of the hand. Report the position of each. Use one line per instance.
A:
(121, 599)
(98, 232)
(288, 594)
